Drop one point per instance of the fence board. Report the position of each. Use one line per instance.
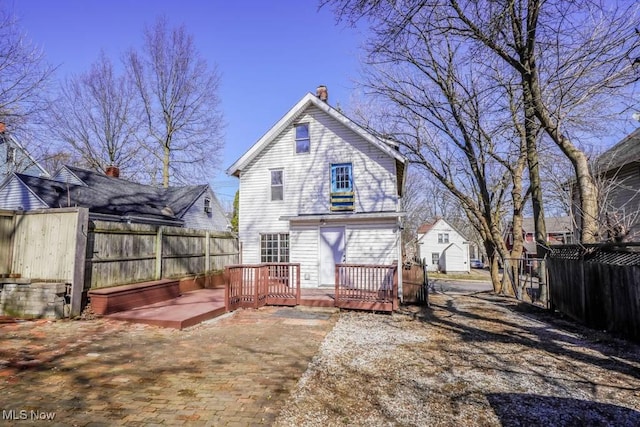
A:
(6, 245)
(120, 253)
(598, 286)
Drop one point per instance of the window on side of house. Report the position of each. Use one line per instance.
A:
(435, 257)
(277, 184)
(274, 247)
(303, 140)
(11, 154)
(207, 205)
(443, 237)
(342, 197)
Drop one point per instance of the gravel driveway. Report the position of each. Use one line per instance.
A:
(467, 360)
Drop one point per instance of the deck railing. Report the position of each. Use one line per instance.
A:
(253, 286)
(367, 287)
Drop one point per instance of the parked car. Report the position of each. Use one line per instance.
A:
(476, 263)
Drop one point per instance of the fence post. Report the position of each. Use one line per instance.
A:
(80, 261)
(158, 274)
(207, 251)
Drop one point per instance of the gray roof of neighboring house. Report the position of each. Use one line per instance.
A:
(624, 152)
(114, 196)
(556, 224)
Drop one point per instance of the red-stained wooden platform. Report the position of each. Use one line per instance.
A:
(196, 306)
(186, 310)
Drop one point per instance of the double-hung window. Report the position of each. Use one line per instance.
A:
(303, 141)
(277, 184)
(274, 247)
(342, 197)
(443, 237)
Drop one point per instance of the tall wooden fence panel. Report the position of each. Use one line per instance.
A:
(598, 285)
(6, 241)
(119, 253)
(44, 244)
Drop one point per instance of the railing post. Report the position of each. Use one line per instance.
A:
(227, 291)
(337, 303)
(298, 291)
(207, 251)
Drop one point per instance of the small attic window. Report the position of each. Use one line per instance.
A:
(11, 154)
(207, 205)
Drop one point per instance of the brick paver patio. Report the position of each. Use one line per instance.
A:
(234, 370)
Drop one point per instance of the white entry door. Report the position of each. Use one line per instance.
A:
(331, 253)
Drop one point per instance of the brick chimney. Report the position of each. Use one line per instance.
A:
(322, 93)
(112, 171)
(3, 127)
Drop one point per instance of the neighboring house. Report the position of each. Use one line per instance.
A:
(112, 199)
(618, 172)
(318, 189)
(559, 232)
(14, 158)
(443, 248)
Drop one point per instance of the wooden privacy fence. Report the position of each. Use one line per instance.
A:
(597, 285)
(253, 286)
(415, 289)
(367, 287)
(120, 253)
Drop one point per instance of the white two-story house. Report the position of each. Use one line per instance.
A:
(318, 189)
(443, 248)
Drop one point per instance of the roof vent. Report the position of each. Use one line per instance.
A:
(322, 93)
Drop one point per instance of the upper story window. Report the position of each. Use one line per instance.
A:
(11, 154)
(277, 184)
(341, 178)
(207, 205)
(443, 237)
(342, 197)
(303, 142)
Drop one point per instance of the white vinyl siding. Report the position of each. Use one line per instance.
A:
(16, 196)
(64, 175)
(307, 191)
(196, 217)
(304, 250)
(371, 244)
(434, 242)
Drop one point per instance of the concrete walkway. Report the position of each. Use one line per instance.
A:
(235, 370)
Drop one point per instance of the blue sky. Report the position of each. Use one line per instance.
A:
(269, 53)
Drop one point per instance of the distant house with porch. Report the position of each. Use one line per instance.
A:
(110, 198)
(318, 189)
(443, 248)
(15, 158)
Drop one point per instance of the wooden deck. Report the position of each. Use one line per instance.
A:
(359, 287)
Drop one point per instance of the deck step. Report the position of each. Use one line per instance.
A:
(186, 310)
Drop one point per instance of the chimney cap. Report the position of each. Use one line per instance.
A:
(323, 93)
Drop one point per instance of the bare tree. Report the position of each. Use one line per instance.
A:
(179, 94)
(96, 119)
(451, 121)
(24, 76)
(572, 59)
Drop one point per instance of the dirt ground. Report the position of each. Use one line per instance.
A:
(467, 360)
(476, 360)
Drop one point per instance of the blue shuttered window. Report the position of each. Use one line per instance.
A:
(342, 197)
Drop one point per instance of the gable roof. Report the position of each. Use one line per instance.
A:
(28, 165)
(624, 152)
(113, 196)
(308, 100)
(426, 228)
